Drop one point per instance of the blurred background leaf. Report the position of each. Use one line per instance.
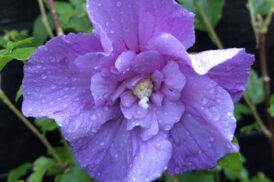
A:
(213, 10)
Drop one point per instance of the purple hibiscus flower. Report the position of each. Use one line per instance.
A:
(129, 98)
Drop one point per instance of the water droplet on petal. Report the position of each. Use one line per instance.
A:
(93, 117)
(44, 77)
(118, 4)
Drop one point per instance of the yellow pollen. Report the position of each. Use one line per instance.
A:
(143, 88)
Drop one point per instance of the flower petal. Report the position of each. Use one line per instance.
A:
(174, 78)
(197, 145)
(124, 61)
(53, 85)
(169, 113)
(229, 68)
(147, 62)
(157, 16)
(233, 73)
(168, 45)
(138, 21)
(103, 86)
(88, 121)
(208, 100)
(114, 154)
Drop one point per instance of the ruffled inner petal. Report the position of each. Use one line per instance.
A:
(168, 45)
(174, 81)
(169, 113)
(103, 86)
(147, 62)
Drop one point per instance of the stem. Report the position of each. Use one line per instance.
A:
(217, 177)
(253, 19)
(42, 138)
(268, 19)
(211, 30)
(266, 81)
(256, 115)
(58, 28)
(174, 179)
(45, 19)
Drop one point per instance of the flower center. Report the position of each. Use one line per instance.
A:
(143, 91)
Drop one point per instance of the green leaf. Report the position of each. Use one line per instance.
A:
(212, 8)
(241, 109)
(240, 175)
(41, 165)
(19, 172)
(22, 54)
(4, 60)
(18, 94)
(262, 6)
(255, 88)
(201, 176)
(80, 24)
(46, 124)
(248, 128)
(65, 12)
(231, 161)
(65, 154)
(76, 173)
(40, 33)
(271, 108)
(12, 45)
(260, 178)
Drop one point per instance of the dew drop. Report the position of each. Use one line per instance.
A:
(229, 114)
(118, 4)
(93, 117)
(53, 86)
(44, 77)
(205, 100)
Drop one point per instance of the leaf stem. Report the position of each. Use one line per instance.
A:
(211, 30)
(256, 115)
(268, 19)
(174, 179)
(44, 18)
(253, 19)
(58, 28)
(41, 137)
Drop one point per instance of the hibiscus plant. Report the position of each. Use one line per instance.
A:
(132, 99)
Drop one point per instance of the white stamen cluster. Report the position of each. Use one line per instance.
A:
(143, 91)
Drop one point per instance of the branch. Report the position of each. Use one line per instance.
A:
(253, 20)
(58, 28)
(41, 137)
(45, 19)
(208, 25)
